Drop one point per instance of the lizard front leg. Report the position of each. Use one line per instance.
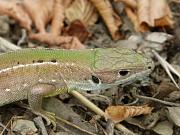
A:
(35, 97)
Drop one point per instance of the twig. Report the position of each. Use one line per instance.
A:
(167, 67)
(7, 46)
(98, 97)
(73, 125)
(176, 1)
(23, 37)
(5, 127)
(110, 127)
(176, 14)
(157, 100)
(97, 110)
(38, 120)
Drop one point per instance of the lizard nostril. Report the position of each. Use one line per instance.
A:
(150, 66)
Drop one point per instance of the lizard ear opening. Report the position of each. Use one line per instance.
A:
(123, 72)
(95, 79)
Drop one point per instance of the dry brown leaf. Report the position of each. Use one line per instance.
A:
(58, 18)
(133, 17)
(148, 13)
(120, 113)
(40, 12)
(130, 3)
(173, 114)
(66, 42)
(154, 13)
(112, 20)
(77, 29)
(82, 10)
(14, 9)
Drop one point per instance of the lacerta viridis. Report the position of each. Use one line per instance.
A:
(36, 73)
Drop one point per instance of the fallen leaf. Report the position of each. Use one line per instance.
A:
(134, 19)
(82, 10)
(65, 111)
(24, 127)
(67, 42)
(130, 3)
(173, 96)
(40, 12)
(164, 89)
(163, 128)
(173, 114)
(159, 37)
(148, 13)
(16, 11)
(58, 17)
(154, 13)
(120, 113)
(111, 19)
(77, 29)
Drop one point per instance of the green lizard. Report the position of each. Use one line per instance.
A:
(37, 73)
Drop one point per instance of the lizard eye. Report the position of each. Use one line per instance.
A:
(95, 79)
(123, 72)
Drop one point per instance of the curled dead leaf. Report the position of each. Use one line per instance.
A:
(82, 10)
(16, 11)
(120, 113)
(154, 13)
(40, 12)
(148, 13)
(67, 42)
(58, 17)
(129, 3)
(111, 19)
(77, 29)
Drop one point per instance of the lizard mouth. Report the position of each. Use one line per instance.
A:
(85, 86)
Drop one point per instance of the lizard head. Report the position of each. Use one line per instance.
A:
(115, 66)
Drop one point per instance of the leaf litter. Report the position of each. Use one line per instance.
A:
(68, 24)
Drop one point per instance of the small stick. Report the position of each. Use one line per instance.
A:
(157, 100)
(38, 120)
(98, 111)
(7, 46)
(73, 125)
(167, 67)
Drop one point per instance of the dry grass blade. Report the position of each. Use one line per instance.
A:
(156, 100)
(167, 67)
